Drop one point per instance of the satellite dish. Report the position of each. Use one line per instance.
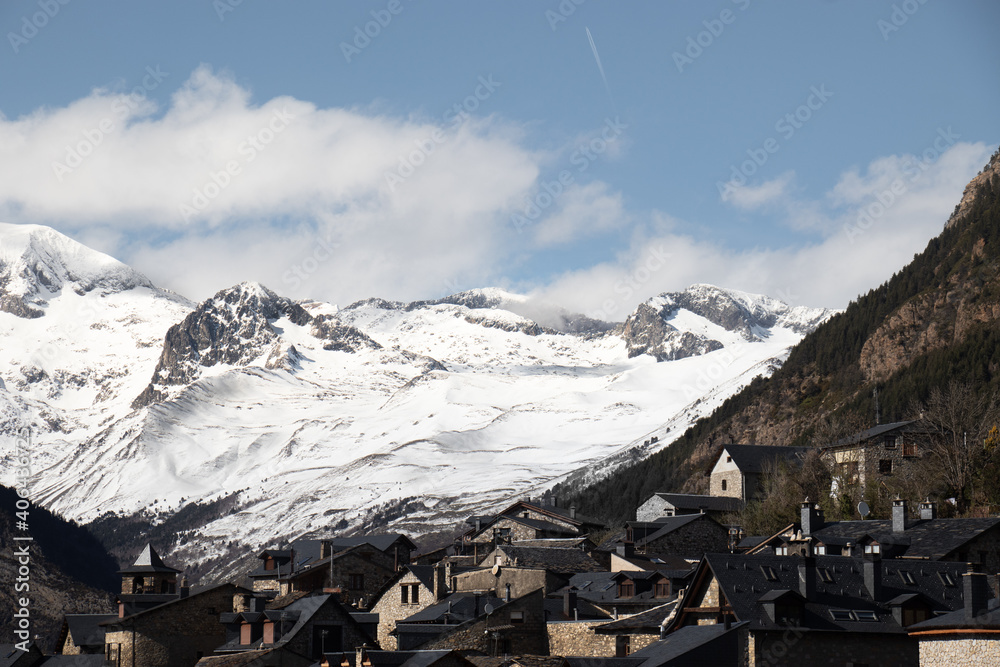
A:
(488, 609)
(863, 509)
(496, 570)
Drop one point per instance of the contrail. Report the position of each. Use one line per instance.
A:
(600, 67)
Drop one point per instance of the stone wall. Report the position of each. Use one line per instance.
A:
(522, 581)
(653, 509)
(734, 484)
(966, 650)
(172, 635)
(333, 615)
(693, 540)
(390, 608)
(578, 638)
(377, 568)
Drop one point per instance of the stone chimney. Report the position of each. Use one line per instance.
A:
(440, 582)
(569, 604)
(185, 588)
(975, 594)
(807, 578)
(325, 549)
(928, 510)
(872, 568)
(899, 517)
(811, 518)
(626, 549)
(572, 512)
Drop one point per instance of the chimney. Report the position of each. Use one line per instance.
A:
(572, 511)
(626, 549)
(569, 603)
(479, 524)
(506, 593)
(440, 582)
(555, 500)
(811, 518)
(975, 594)
(928, 510)
(185, 588)
(873, 577)
(898, 515)
(325, 549)
(807, 578)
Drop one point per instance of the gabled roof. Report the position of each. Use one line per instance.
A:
(561, 513)
(927, 538)
(756, 458)
(456, 608)
(536, 524)
(691, 501)
(174, 601)
(147, 561)
(668, 524)
(411, 658)
(747, 581)
(381, 542)
(85, 628)
(715, 645)
(957, 620)
(552, 559)
(870, 433)
(649, 620)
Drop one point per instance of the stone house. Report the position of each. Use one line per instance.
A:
(413, 589)
(513, 627)
(636, 632)
(873, 455)
(969, 636)
(675, 504)
(524, 521)
(172, 634)
(687, 536)
(738, 470)
(834, 609)
(286, 631)
(146, 583)
(925, 536)
(457, 609)
(82, 634)
(357, 573)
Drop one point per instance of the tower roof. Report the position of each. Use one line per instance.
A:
(148, 561)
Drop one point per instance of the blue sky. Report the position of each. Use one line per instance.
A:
(786, 148)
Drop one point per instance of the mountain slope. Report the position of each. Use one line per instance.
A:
(935, 321)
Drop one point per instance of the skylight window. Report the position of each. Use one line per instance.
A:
(946, 579)
(825, 575)
(841, 615)
(854, 615)
(768, 572)
(864, 615)
(907, 578)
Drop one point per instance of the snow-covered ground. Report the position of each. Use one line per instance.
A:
(332, 435)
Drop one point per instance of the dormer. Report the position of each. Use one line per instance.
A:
(783, 606)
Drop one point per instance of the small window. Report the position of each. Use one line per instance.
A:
(781, 551)
(907, 578)
(626, 589)
(820, 550)
(865, 615)
(415, 594)
(662, 589)
(914, 615)
(768, 572)
(885, 467)
(841, 615)
(729, 459)
(825, 575)
(517, 617)
(357, 582)
(890, 442)
(404, 594)
(724, 484)
(946, 579)
(873, 548)
(909, 449)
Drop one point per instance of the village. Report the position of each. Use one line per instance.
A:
(538, 584)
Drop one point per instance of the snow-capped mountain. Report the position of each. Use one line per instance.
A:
(141, 400)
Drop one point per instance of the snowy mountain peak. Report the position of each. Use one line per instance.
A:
(37, 262)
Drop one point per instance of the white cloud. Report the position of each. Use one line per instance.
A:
(752, 197)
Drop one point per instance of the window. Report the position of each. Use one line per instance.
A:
(415, 594)
(907, 578)
(946, 579)
(729, 459)
(873, 548)
(404, 594)
(826, 575)
(914, 615)
(909, 449)
(517, 617)
(245, 634)
(626, 589)
(622, 646)
(662, 589)
(356, 582)
(768, 573)
(865, 615)
(724, 484)
(787, 614)
(781, 551)
(890, 442)
(820, 549)
(841, 615)
(885, 467)
(268, 632)
(269, 563)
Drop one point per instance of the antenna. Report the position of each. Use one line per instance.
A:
(863, 509)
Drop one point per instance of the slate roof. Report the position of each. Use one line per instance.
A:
(756, 458)
(236, 659)
(957, 620)
(691, 501)
(747, 581)
(575, 661)
(114, 620)
(552, 559)
(868, 434)
(562, 513)
(147, 561)
(554, 611)
(407, 658)
(92, 660)
(85, 628)
(562, 542)
(649, 620)
(927, 538)
(380, 542)
(659, 562)
(715, 645)
(454, 609)
(664, 526)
